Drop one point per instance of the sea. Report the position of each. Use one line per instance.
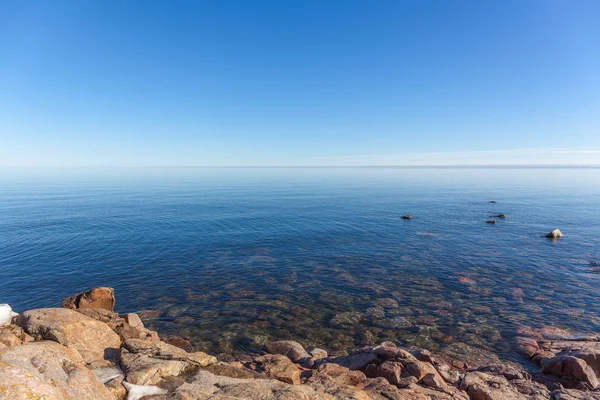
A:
(231, 258)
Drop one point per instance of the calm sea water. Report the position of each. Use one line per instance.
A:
(233, 258)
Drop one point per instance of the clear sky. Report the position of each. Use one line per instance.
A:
(284, 82)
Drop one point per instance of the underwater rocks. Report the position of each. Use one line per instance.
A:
(93, 353)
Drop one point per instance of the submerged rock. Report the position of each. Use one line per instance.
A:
(555, 234)
(102, 297)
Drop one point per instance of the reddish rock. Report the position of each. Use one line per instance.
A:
(571, 368)
(279, 367)
(102, 297)
(293, 350)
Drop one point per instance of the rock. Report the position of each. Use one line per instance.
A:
(120, 325)
(355, 361)
(102, 297)
(13, 335)
(149, 314)
(279, 367)
(449, 375)
(232, 371)
(317, 353)
(571, 394)
(425, 356)
(434, 381)
(92, 339)
(179, 341)
(134, 320)
(555, 234)
(341, 375)
(491, 221)
(572, 368)
(6, 314)
(146, 363)
(136, 392)
(293, 350)
(204, 385)
(116, 388)
(482, 386)
(47, 370)
(390, 371)
(407, 217)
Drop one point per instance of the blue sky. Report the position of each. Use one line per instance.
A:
(336, 82)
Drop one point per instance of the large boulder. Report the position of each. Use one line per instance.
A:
(293, 350)
(569, 367)
(147, 363)
(47, 370)
(102, 297)
(92, 339)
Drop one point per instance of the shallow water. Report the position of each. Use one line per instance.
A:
(233, 258)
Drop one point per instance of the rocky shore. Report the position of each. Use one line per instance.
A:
(85, 350)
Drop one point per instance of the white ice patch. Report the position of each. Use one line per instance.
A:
(107, 374)
(6, 314)
(136, 392)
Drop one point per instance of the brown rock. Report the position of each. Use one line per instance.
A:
(134, 320)
(146, 363)
(116, 388)
(92, 339)
(572, 368)
(391, 371)
(482, 386)
(102, 297)
(293, 350)
(179, 341)
(317, 353)
(571, 394)
(232, 370)
(279, 367)
(47, 370)
(355, 361)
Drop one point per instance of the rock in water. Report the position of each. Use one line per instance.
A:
(102, 297)
(555, 234)
(6, 314)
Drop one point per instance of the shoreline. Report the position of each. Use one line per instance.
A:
(112, 356)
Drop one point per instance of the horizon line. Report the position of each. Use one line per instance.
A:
(578, 166)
